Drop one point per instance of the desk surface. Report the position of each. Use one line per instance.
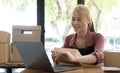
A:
(80, 69)
(3, 65)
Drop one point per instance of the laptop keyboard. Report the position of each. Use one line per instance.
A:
(110, 68)
(62, 68)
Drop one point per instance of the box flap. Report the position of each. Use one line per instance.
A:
(18, 27)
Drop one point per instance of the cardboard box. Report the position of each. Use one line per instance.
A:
(112, 59)
(15, 56)
(26, 33)
(4, 37)
(4, 51)
(74, 52)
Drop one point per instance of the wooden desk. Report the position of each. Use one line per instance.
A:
(9, 67)
(80, 69)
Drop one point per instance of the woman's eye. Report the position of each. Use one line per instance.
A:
(73, 19)
(78, 19)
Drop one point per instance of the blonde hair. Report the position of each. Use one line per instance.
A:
(84, 12)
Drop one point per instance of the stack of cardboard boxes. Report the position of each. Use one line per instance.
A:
(4, 46)
(23, 33)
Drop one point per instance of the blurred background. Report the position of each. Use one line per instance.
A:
(105, 14)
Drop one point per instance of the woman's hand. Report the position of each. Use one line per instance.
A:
(62, 55)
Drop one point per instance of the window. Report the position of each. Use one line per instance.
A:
(57, 21)
(106, 17)
(17, 12)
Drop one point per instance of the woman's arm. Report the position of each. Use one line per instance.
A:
(97, 55)
(86, 59)
(99, 47)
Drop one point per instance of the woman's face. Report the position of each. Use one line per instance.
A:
(79, 22)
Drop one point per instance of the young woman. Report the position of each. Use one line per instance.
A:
(88, 42)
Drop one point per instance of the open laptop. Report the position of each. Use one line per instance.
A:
(111, 61)
(35, 57)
